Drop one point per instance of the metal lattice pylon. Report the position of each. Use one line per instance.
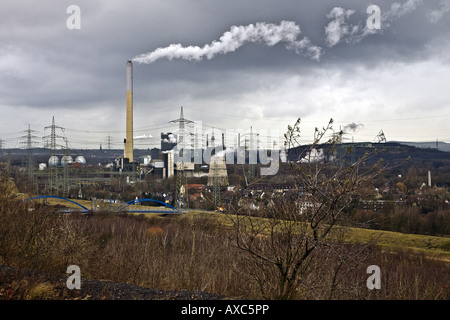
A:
(181, 172)
(53, 170)
(216, 186)
(29, 146)
(380, 137)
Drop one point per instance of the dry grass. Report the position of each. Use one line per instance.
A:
(193, 252)
(42, 291)
(432, 246)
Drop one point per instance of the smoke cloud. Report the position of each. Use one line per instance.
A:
(172, 139)
(352, 127)
(267, 33)
(398, 10)
(339, 29)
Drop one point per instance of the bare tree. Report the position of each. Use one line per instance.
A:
(294, 232)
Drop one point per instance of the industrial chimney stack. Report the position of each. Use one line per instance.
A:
(429, 179)
(129, 130)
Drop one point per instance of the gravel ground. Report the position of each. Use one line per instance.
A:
(24, 284)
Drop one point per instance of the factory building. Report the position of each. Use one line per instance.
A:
(164, 166)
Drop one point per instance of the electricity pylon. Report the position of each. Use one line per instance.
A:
(29, 146)
(181, 172)
(216, 186)
(53, 170)
(380, 137)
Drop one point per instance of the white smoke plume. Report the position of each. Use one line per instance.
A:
(267, 33)
(398, 10)
(172, 139)
(313, 156)
(340, 29)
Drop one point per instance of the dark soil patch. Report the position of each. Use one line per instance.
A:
(21, 284)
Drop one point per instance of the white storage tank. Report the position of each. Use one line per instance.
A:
(80, 160)
(65, 160)
(53, 161)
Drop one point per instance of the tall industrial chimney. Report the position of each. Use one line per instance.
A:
(129, 130)
(429, 178)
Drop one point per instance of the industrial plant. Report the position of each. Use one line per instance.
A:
(200, 168)
(57, 169)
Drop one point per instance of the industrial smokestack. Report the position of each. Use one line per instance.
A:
(429, 179)
(129, 129)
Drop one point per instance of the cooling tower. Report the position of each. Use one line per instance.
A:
(129, 130)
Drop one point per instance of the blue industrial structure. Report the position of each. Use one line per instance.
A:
(120, 208)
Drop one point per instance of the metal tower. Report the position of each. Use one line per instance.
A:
(380, 137)
(253, 154)
(53, 170)
(109, 142)
(29, 142)
(66, 185)
(216, 183)
(181, 172)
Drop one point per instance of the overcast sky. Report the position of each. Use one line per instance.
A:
(313, 60)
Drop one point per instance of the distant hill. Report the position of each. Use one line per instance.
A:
(392, 152)
(442, 146)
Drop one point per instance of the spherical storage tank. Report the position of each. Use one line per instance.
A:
(65, 160)
(53, 161)
(80, 160)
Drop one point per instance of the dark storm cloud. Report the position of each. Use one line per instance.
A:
(46, 68)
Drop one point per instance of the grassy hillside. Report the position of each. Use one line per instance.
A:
(437, 247)
(433, 246)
